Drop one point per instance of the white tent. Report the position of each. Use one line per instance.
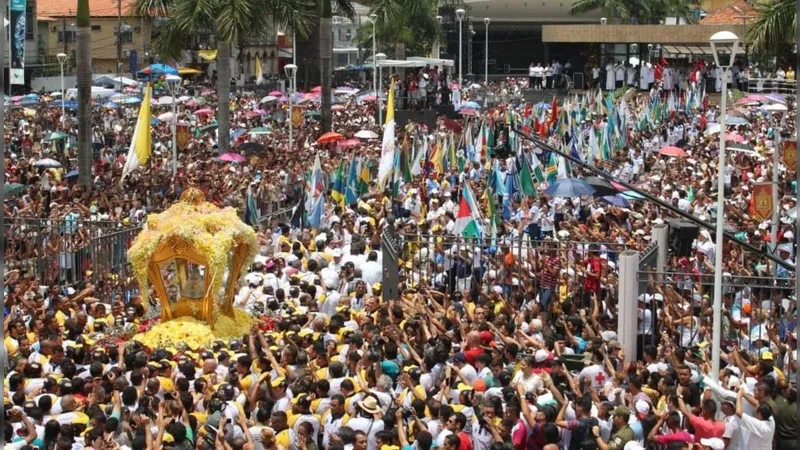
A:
(433, 61)
(105, 80)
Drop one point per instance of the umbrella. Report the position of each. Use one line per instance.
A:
(184, 98)
(738, 138)
(47, 162)
(251, 114)
(570, 188)
(347, 143)
(757, 98)
(13, 189)
(276, 93)
(453, 125)
(252, 147)
(313, 114)
(672, 151)
(616, 200)
(166, 117)
(467, 112)
(471, 105)
(316, 89)
(345, 91)
(632, 195)
(737, 121)
(110, 105)
(232, 157)
(237, 133)
(367, 134)
(71, 174)
(118, 97)
(776, 98)
(330, 137)
(713, 128)
(776, 107)
(200, 131)
(602, 188)
(269, 98)
(338, 108)
(55, 94)
(746, 101)
(159, 69)
(367, 98)
(259, 130)
(166, 100)
(56, 135)
(155, 121)
(203, 112)
(132, 101)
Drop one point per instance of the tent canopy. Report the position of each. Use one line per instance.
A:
(107, 81)
(433, 61)
(415, 61)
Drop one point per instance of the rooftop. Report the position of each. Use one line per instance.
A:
(739, 13)
(68, 8)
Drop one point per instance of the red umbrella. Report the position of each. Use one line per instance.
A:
(468, 112)
(673, 151)
(330, 137)
(369, 98)
(738, 138)
(453, 125)
(347, 143)
(316, 89)
(203, 112)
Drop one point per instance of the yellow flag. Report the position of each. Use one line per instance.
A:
(141, 144)
(259, 73)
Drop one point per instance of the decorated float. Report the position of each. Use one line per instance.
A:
(192, 255)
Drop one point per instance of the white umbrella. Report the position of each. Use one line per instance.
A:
(184, 98)
(47, 162)
(55, 94)
(118, 98)
(269, 98)
(777, 107)
(712, 128)
(166, 101)
(166, 117)
(304, 100)
(367, 134)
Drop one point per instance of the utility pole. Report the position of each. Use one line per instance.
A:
(64, 35)
(119, 35)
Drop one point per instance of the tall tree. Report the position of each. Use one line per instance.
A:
(639, 11)
(775, 26)
(227, 20)
(84, 68)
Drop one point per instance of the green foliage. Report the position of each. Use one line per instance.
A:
(774, 28)
(639, 11)
(82, 18)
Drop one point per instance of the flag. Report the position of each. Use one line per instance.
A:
(491, 206)
(299, 212)
(316, 185)
(437, 158)
(351, 187)
(536, 167)
(467, 224)
(259, 73)
(526, 180)
(362, 183)
(251, 210)
(387, 147)
(141, 145)
(420, 155)
(315, 213)
(338, 191)
(594, 146)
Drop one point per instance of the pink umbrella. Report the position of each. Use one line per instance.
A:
(672, 151)
(347, 143)
(316, 89)
(738, 138)
(204, 112)
(251, 114)
(757, 98)
(191, 104)
(16, 98)
(468, 112)
(232, 157)
(369, 98)
(206, 92)
(276, 93)
(338, 108)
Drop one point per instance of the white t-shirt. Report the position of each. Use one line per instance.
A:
(532, 383)
(369, 426)
(595, 374)
(759, 432)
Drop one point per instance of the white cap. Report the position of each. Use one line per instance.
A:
(642, 407)
(713, 443)
(541, 355)
(788, 235)
(609, 335)
(633, 445)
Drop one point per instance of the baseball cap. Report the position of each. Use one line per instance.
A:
(621, 411)
(713, 443)
(460, 357)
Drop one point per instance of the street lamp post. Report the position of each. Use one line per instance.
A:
(722, 43)
(291, 73)
(62, 59)
(486, 21)
(460, 16)
(374, 19)
(172, 82)
(379, 57)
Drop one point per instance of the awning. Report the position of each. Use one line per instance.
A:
(188, 71)
(345, 50)
(285, 53)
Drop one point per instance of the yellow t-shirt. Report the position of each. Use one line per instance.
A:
(11, 345)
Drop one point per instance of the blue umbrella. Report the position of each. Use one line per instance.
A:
(570, 188)
(155, 121)
(72, 173)
(471, 105)
(736, 120)
(159, 69)
(236, 134)
(33, 96)
(68, 104)
(132, 101)
(616, 200)
(110, 105)
(543, 105)
(27, 101)
(632, 195)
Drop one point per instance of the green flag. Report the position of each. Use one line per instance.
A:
(526, 180)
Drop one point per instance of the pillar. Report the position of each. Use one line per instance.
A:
(627, 302)
(661, 238)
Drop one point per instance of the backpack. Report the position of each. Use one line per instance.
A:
(582, 436)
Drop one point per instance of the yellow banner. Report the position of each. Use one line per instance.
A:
(208, 55)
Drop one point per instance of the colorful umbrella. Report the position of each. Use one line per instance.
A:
(453, 125)
(367, 98)
(468, 112)
(601, 187)
(347, 143)
(269, 98)
(13, 189)
(204, 112)
(232, 157)
(616, 200)
(316, 89)
(736, 121)
(330, 137)
(260, 130)
(165, 117)
(276, 93)
(672, 151)
(738, 138)
(56, 135)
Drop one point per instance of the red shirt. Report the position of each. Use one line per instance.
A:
(592, 283)
(466, 442)
(706, 429)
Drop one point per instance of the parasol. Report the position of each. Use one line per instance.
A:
(166, 101)
(453, 125)
(252, 147)
(367, 134)
(468, 112)
(47, 162)
(738, 138)
(330, 137)
(347, 143)
(55, 136)
(259, 130)
(601, 187)
(735, 120)
(232, 157)
(776, 107)
(71, 174)
(616, 200)
(569, 188)
(165, 117)
(13, 189)
(204, 112)
(275, 94)
(367, 98)
(269, 98)
(672, 151)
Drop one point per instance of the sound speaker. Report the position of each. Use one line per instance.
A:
(681, 236)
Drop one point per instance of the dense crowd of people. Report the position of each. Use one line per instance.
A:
(501, 341)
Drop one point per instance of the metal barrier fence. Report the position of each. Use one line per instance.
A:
(455, 263)
(771, 86)
(679, 305)
(67, 251)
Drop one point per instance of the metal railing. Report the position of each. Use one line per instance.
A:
(770, 85)
(452, 263)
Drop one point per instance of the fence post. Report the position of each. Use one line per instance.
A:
(661, 239)
(627, 302)
(390, 247)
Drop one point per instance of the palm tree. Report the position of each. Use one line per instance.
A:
(774, 27)
(639, 11)
(228, 21)
(84, 67)
(619, 9)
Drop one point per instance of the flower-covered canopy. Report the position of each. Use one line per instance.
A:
(205, 244)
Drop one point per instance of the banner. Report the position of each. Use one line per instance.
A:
(297, 116)
(182, 135)
(790, 155)
(207, 55)
(762, 201)
(17, 32)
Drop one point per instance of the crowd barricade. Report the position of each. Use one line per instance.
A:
(111, 269)
(771, 86)
(691, 296)
(452, 263)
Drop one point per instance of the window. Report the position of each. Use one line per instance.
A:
(30, 21)
(341, 34)
(126, 37)
(97, 27)
(70, 36)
